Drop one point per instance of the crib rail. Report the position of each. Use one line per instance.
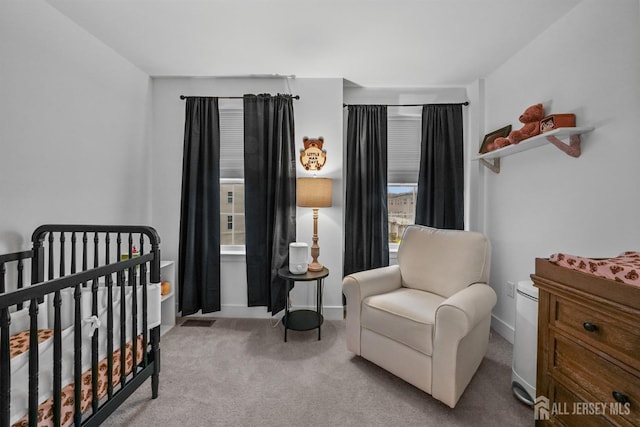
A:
(17, 258)
(83, 232)
(89, 245)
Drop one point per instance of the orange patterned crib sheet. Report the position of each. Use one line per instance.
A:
(623, 268)
(19, 344)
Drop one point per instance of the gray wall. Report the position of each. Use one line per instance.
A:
(544, 201)
(73, 127)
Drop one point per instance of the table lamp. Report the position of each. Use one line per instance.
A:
(314, 193)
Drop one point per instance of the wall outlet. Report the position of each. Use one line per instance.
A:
(510, 288)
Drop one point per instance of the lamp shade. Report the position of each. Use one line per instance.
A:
(314, 192)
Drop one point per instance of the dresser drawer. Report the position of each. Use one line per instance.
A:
(603, 329)
(565, 409)
(599, 378)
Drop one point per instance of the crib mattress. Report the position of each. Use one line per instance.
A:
(19, 344)
(89, 324)
(623, 268)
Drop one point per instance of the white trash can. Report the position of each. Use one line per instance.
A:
(525, 343)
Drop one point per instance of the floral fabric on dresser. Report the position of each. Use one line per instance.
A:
(623, 268)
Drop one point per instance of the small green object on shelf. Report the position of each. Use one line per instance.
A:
(124, 257)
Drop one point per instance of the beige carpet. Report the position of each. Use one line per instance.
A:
(240, 372)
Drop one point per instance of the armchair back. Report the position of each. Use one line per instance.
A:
(443, 261)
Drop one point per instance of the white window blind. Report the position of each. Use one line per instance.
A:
(403, 148)
(231, 143)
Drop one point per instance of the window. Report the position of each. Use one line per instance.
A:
(232, 214)
(232, 231)
(403, 167)
(401, 209)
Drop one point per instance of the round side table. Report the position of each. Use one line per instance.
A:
(303, 320)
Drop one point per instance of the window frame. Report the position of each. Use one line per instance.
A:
(232, 249)
(407, 123)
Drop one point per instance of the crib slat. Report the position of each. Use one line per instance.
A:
(130, 245)
(33, 363)
(94, 348)
(20, 276)
(62, 259)
(123, 328)
(77, 356)
(96, 246)
(57, 359)
(109, 336)
(145, 303)
(20, 280)
(51, 251)
(109, 285)
(73, 252)
(84, 254)
(107, 241)
(5, 367)
(134, 318)
(119, 247)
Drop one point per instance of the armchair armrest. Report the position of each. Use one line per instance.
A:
(465, 309)
(358, 286)
(460, 340)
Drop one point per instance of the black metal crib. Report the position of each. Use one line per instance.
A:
(118, 263)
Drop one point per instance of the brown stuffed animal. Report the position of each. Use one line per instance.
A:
(531, 119)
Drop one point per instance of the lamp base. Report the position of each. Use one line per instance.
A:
(315, 266)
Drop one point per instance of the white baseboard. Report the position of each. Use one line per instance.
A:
(243, 312)
(503, 329)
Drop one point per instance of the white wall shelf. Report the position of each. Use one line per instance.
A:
(554, 137)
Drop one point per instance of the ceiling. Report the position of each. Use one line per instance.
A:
(373, 43)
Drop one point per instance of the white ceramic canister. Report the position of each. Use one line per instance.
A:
(298, 257)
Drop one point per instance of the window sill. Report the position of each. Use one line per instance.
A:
(233, 254)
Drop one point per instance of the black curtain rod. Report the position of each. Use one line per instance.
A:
(412, 105)
(230, 97)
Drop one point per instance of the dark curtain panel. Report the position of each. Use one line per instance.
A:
(440, 199)
(199, 248)
(366, 229)
(270, 196)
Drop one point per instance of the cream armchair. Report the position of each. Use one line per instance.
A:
(426, 319)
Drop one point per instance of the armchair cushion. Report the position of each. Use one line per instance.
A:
(443, 261)
(405, 315)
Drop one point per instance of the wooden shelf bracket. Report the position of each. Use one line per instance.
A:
(493, 167)
(572, 149)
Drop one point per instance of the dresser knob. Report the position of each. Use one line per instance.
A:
(620, 397)
(589, 327)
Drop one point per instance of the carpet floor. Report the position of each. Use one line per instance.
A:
(240, 372)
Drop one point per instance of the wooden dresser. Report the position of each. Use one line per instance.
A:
(588, 349)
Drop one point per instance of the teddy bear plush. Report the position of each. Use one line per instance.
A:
(531, 119)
